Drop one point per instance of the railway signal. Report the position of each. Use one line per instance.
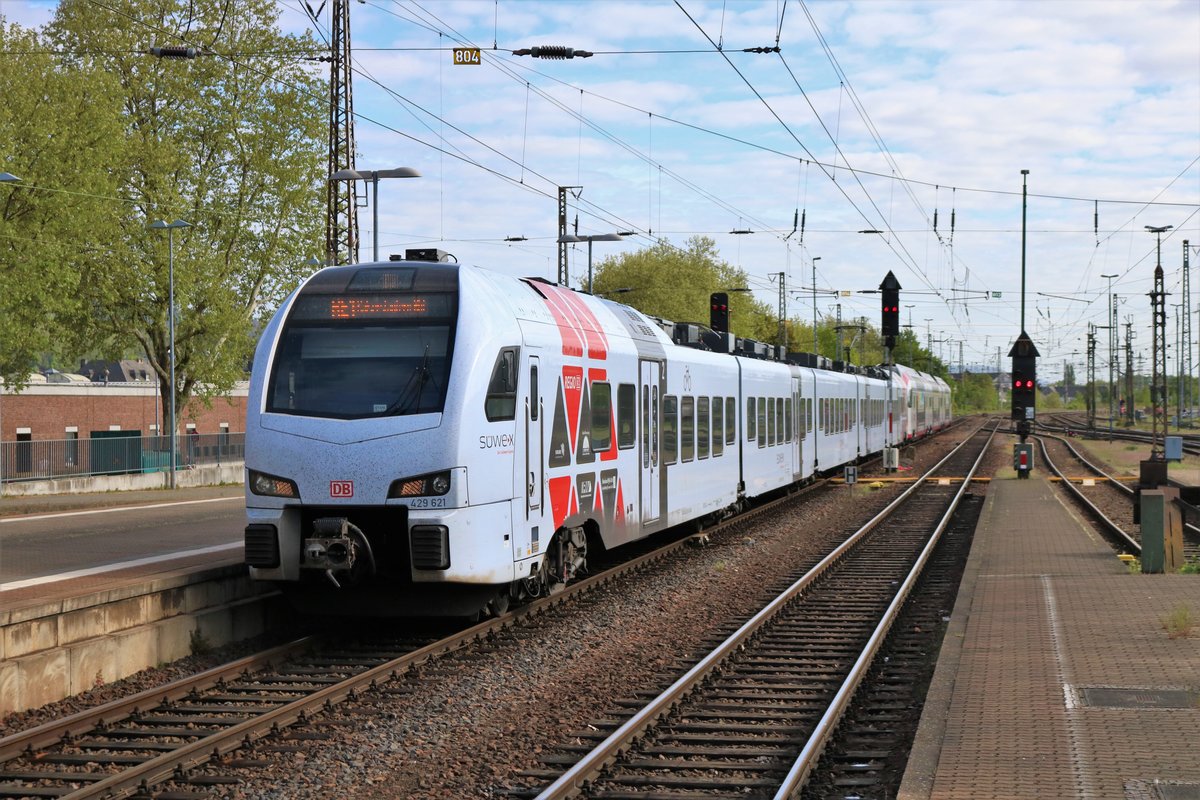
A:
(890, 326)
(1024, 400)
(1024, 371)
(718, 312)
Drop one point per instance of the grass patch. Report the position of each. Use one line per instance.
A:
(1180, 622)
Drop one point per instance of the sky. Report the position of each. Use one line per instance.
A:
(913, 119)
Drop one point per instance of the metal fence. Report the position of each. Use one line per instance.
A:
(115, 453)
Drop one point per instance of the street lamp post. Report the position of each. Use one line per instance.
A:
(1024, 206)
(595, 237)
(909, 306)
(1112, 333)
(170, 228)
(814, 293)
(373, 176)
(5, 177)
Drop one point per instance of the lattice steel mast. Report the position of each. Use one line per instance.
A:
(341, 225)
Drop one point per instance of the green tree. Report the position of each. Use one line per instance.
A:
(231, 142)
(675, 283)
(61, 134)
(974, 393)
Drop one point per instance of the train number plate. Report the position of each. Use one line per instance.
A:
(341, 488)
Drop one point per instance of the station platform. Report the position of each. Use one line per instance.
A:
(1057, 677)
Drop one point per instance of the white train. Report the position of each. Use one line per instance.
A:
(435, 438)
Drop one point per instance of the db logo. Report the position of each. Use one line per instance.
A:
(341, 488)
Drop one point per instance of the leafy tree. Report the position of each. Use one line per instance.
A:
(231, 142)
(975, 393)
(61, 134)
(675, 283)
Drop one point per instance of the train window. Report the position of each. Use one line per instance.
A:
(762, 422)
(779, 438)
(789, 410)
(670, 429)
(626, 414)
(645, 426)
(687, 429)
(357, 369)
(771, 421)
(750, 426)
(534, 396)
(730, 420)
(718, 427)
(601, 417)
(703, 429)
(501, 401)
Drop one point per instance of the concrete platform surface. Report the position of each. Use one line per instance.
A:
(1057, 677)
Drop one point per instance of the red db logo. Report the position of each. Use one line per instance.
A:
(341, 488)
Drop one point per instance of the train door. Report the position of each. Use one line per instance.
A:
(648, 440)
(534, 444)
(861, 395)
(797, 421)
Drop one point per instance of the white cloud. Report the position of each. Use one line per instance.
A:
(1099, 100)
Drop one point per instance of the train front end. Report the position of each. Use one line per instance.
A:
(354, 480)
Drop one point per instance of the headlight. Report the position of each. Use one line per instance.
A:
(435, 484)
(270, 486)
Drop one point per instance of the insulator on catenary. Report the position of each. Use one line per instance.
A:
(553, 51)
(174, 51)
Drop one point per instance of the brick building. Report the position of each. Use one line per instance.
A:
(70, 410)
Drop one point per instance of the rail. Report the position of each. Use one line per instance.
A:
(573, 780)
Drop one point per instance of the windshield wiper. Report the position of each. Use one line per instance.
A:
(412, 391)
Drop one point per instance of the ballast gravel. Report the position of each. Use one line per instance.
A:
(467, 724)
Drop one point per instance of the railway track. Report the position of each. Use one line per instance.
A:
(128, 747)
(1191, 441)
(751, 717)
(1106, 499)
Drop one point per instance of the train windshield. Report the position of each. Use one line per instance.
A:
(359, 356)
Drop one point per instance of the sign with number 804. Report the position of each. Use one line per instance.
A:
(467, 55)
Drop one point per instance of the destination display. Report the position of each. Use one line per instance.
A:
(406, 305)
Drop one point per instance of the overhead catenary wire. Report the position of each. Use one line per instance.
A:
(1093, 201)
